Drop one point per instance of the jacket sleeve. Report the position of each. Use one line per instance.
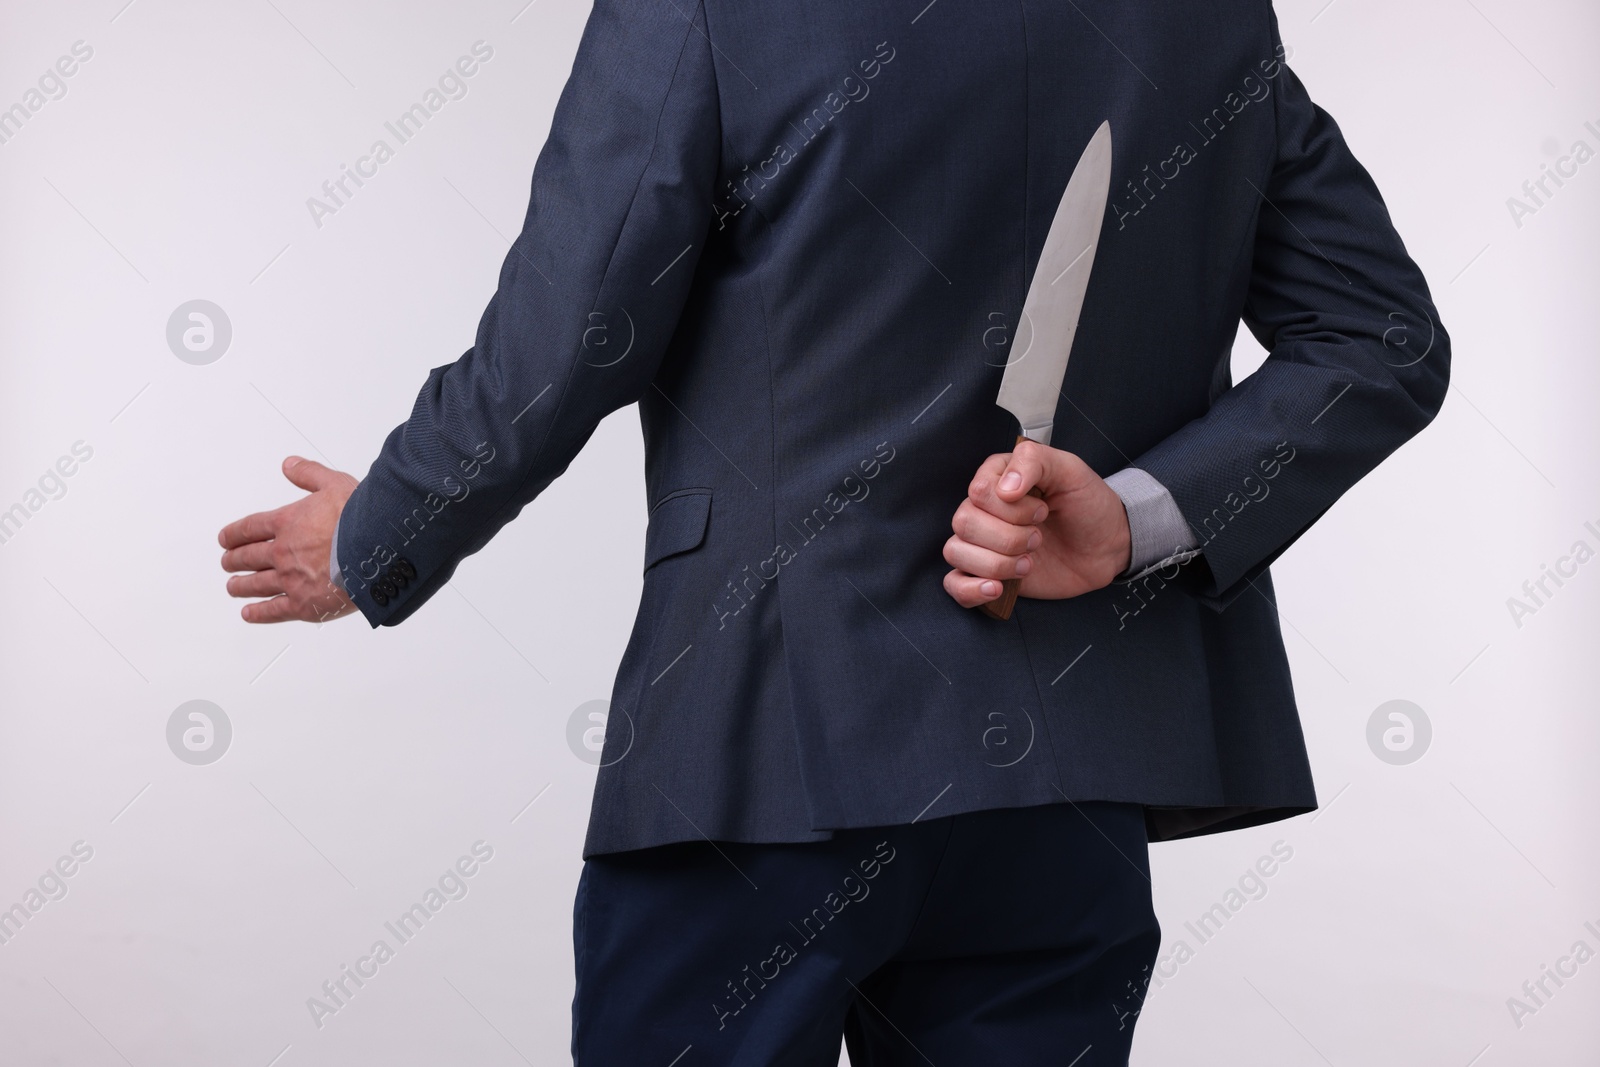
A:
(1358, 361)
(588, 298)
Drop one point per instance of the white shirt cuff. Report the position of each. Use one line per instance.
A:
(334, 574)
(1159, 533)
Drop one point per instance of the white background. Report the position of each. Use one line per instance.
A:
(219, 898)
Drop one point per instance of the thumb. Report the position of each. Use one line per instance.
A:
(308, 474)
(1029, 466)
(1048, 470)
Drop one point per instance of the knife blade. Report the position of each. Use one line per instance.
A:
(1042, 346)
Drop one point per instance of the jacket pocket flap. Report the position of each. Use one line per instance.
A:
(677, 524)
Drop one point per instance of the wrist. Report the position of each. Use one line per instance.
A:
(1121, 550)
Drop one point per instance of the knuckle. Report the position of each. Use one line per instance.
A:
(965, 523)
(986, 566)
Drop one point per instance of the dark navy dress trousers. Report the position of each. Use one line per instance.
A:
(1011, 938)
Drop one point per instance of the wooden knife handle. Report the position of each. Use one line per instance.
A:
(1001, 608)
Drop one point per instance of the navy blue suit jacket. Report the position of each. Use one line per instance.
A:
(799, 237)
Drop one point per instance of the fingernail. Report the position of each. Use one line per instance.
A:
(990, 589)
(1038, 516)
(1033, 540)
(1024, 565)
(1011, 481)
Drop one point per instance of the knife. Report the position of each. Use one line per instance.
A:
(1043, 343)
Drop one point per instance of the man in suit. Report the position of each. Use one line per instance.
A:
(851, 804)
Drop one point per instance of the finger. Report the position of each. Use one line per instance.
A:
(973, 524)
(308, 474)
(262, 526)
(259, 584)
(983, 563)
(252, 557)
(969, 591)
(278, 609)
